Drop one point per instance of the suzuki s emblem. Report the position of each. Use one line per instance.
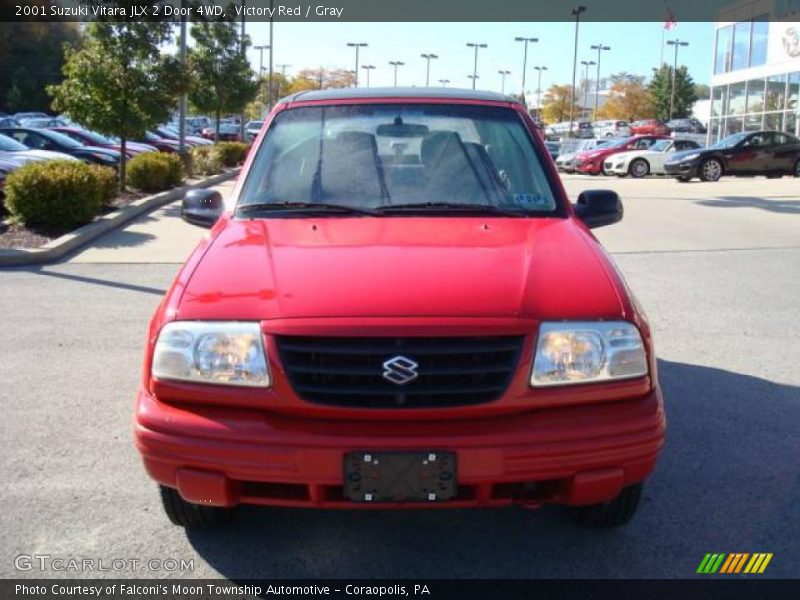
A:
(400, 370)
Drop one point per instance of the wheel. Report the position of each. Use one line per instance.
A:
(192, 516)
(711, 170)
(609, 135)
(684, 179)
(639, 167)
(614, 513)
(775, 176)
(797, 168)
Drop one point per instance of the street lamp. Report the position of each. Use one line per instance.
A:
(503, 74)
(539, 87)
(444, 82)
(677, 44)
(368, 68)
(395, 64)
(261, 61)
(600, 49)
(474, 76)
(428, 58)
(357, 46)
(576, 12)
(525, 60)
(587, 64)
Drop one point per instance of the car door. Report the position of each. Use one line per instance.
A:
(785, 152)
(756, 154)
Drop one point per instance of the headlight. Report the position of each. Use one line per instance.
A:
(217, 352)
(587, 352)
(691, 156)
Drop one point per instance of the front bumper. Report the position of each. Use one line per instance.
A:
(590, 167)
(682, 169)
(574, 455)
(612, 167)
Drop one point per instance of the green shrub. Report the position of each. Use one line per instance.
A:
(205, 160)
(109, 182)
(55, 195)
(231, 153)
(155, 171)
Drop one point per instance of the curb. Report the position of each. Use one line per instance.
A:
(59, 247)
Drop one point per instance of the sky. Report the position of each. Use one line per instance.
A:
(635, 48)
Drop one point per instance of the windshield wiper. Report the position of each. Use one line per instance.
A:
(455, 207)
(314, 207)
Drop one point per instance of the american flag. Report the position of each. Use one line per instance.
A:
(670, 22)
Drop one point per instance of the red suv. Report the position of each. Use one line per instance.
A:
(398, 307)
(649, 127)
(591, 162)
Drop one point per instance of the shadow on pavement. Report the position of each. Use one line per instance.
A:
(772, 204)
(95, 281)
(727, 481)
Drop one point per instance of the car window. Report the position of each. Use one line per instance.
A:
(662, 145)
(369, 156)
(758, 140)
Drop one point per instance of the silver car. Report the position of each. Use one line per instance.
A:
(611, 129)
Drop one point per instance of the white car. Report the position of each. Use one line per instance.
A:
(640, 163)
(611, 129)
(566, 157)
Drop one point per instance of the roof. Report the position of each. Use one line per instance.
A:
(398, 92)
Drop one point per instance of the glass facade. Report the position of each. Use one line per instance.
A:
(742, 45)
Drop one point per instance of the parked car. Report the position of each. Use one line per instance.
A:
(432, 306)
(170, 133)
(229, 131)
(649, 127)
(641, 163)
(552, 148)
(580, 129)
(611, 129)
(592, 162)
(31, 115)
(161, 143)
(41, 122)
(45, 139)
(686, 126)
(9, 122)
(770, 153)
(195, 125)
(90, 138)
(251, 130)
(12, 150)
(566, 160)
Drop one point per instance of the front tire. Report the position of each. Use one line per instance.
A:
(797, 168)
(192, 516)
(614, 513)
(711, 170)
(684, 179)
(639, 168)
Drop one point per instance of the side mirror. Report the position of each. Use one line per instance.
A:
(599, 207)
(202, 207)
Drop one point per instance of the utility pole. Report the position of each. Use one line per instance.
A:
(368, 68)
(576, 12)
(271, 50)
(395, 64)
(526, 40)
(428, 57)
(243, 43)
(539, 87)
(503, 74)
(357, 46)
(444, 82)
(261, 62)
(600, 49)
(474, 76)
(182, 105)
(677, 43)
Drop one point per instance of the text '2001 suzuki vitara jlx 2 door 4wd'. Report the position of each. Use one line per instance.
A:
(399, 308)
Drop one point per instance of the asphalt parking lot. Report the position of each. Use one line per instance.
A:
(717, 266)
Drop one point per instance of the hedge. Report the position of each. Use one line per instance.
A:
(56, 195)
(155, 171)
(205, 160)
(231, 153)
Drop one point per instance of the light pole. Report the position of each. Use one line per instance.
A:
(444, 82)
(576, 12)
(368, 68)
(526, 40)
(677, 44)
(271, 50)
(503, 74)
(587, 64)
(182, 104)
(261, 60)
(428, 58)
(395, 64)
(357, 46)
(539, 87)
(474, 76)
(243, 44)
(600, 49)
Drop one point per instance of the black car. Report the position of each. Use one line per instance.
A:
(686, 126)
(770, 153)
(44, 139)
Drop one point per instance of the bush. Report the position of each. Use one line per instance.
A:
(55, 195)
(231, 153)
(109, 183)
(205, 160)
(155, 171)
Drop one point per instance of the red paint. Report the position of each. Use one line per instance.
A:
(591, 161)
(407, 276)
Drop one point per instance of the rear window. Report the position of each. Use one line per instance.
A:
(377, 155)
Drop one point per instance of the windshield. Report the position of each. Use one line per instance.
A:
(384, 155)
(255, 124)
(94, 138)
(730, 141)
(59, 138)
(10, 145)
(660, 145)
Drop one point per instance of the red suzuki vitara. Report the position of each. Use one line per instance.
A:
(399, 307)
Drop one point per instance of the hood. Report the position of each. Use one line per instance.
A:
(679, 156)
(401, 267)
(29, 155)
(624, 156)
(99, 150)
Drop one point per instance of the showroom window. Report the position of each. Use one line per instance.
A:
(760, 37)
(755, 95)
(718, 98)
(793, 91)
(741, 46)
(752, 122)
(723, 53)
(736, 98)
(776, 92)
(773, 121)
(733, 125)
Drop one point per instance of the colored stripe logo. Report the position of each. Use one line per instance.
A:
(733, 563)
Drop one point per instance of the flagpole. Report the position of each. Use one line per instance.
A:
(661, 60)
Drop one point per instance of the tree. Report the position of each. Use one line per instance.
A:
(221, 79)
(628, 100)
(660, 90)
(316, 79)
(118, 83)
(702, 91)
(556, 104)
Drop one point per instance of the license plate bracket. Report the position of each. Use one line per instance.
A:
(428, 476)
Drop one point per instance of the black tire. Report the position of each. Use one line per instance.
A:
(192, 516)
(797, 168)
(684, 179)
(711, 169)
(614, 513)
(639, 168)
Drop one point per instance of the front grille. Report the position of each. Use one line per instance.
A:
(452, 371)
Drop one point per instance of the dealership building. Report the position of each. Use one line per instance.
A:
(755, 82)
